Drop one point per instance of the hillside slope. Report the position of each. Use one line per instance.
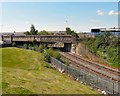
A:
(105, 46)
(25, 72)
(84, 52)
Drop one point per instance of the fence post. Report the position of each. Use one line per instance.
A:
(113, 88)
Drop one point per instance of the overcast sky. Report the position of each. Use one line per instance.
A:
(79, 16)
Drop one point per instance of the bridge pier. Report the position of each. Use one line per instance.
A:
(73, 48)
(67, 47)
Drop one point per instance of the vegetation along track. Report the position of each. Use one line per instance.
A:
(92, 67)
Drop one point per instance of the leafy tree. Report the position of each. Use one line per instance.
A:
(71, 32)
(32, 30)
(105, 46)
(43, 33)
(27, 33)
(68, 30)
(50, 33)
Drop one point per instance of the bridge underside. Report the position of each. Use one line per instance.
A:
(66, 47)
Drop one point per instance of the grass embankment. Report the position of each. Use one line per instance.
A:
(0, 71)
(25, 72)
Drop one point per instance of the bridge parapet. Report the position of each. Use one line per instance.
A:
(42, 38)
(6, 38)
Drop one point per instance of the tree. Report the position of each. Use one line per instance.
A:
(68, 30)
(43, 33)
(27, 33)
(32, 30)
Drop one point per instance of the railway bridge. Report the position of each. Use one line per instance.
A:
(67, 42)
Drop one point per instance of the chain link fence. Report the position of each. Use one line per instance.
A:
(98, 82)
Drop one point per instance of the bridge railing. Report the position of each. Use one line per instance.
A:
(42, 38)
(98, 82)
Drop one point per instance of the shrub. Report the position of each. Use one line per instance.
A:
(41, 48)
(51, 52)
(25, 46)
(56, 55)
(47, 56)
(14, 44)
(36, 47)
(67, 62)
(29, 47)
(33, 48)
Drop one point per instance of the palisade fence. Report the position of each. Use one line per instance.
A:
(98, 82)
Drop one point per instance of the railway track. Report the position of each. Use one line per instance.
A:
(92, 67)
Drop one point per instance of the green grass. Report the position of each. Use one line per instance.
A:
(25, 72)
(0, 71)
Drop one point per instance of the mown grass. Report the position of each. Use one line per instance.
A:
(25, 72)
(0, 71)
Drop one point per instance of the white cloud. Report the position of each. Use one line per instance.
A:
(100, 12)
(112, 12)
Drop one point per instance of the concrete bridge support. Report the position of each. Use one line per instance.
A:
(70, 47)
(73, 48)
(67, 47)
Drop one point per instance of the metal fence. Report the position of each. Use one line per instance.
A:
(98, 82)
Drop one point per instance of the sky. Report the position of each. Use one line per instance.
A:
(56, 16)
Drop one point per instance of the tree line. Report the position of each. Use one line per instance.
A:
(33, 31)
(105, 46)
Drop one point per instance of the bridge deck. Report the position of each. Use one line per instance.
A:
(42, 38)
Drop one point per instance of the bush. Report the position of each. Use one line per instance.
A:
(47, 55)
(14, 44)
(41, 48)
(67, 62)
(29, 47)
(36, 47)
(56, 55)
(33, 48)
(25, 46)
(52, 53)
